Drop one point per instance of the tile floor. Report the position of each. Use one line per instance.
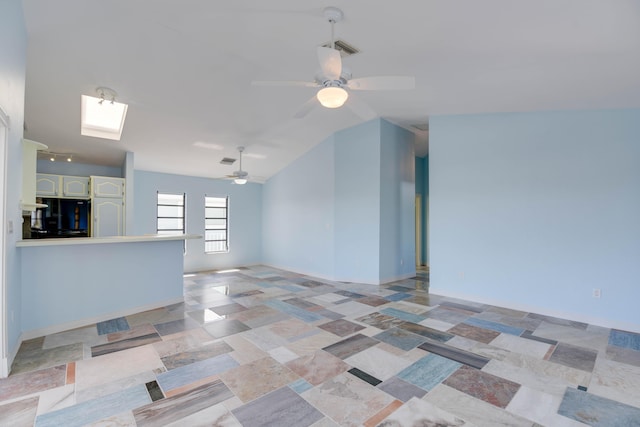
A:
(260, 347)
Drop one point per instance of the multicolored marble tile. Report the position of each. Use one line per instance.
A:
(617, 381)
(521, 345)
(255, 379)
(623, 355)
(378, 362)
(372, 301)
(291, 310)
(113, 325)
(19, 413)
(46, 358)
(195, 371)
(135, 337)
(341, 327)
(401, 389)
(317, 367)
(27, 383)
(403, 315)
(197, 354)
(432, 334)
(461, 356)
(95, 410)
(574, 357)
(624, 339)
(448, 315)
(481, 385)
(417, 412)
(348, 400)
(400, 338)
(597, 411)
(380, 321)
(225, 327)
(171, 409)
(175, 326)
(474, 333)
(350, 346)
(429, 371)
(494, 326)
(283, 407)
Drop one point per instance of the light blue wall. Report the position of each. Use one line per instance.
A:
(357, 203)
(75, 283)
(245, 216)
(129, 176)
(298, 214)
(77, 169)
(322, 214)
(13, 45)
(397, 203)
(537, 210)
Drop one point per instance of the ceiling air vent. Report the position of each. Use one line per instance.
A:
(227, 161)
(343, 47)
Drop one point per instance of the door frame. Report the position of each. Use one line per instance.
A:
(5, 125)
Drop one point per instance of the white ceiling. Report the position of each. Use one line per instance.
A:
(185, 68)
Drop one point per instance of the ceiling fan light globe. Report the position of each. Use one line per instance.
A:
(240, 181)
(332, 97)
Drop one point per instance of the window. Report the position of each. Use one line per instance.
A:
(216, 233)
(170, 214)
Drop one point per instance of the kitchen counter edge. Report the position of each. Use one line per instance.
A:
(103, 240)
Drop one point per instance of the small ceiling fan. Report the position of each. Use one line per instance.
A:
(334, 82)
(239, 177)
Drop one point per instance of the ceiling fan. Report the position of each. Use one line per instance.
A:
(239, 177)
(334, 82)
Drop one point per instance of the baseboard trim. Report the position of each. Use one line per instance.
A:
(54, 329)
(592, 320)
(6, 362)
(316, 275)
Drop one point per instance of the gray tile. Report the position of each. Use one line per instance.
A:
(401, 389)
(558, 321)
(574, 357)
(176, 326)
(113, 325)
(351, 346)
(174, 408)
(623, 355)
(341, 327)
(461, 356)
(225, 327)
(27, 361)
(20, 413)
(400, 338)
(283, 407)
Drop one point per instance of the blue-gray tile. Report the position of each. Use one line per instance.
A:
(300, 386)
(429, 371)
(404, 315)
(494, 326)
(225, 327)
(175, 326)
(400, 338)
(304, 315)
(398, 296)
(113, 325)
(624, 339)
(96, 409)
(195, 371)
(283, 407)
(401, 389)
(597, 411)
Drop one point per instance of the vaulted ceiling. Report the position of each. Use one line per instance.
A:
(185, 68)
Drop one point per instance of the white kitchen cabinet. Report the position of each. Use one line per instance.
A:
(29, 160)
(47, 185)
(108, 217)
(75, 187)
(106, 186)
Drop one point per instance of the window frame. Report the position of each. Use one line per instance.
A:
(176, 231)
(226, 225)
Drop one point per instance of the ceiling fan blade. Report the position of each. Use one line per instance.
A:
(383, 83)
(330, 62)
(360, 108)
(306, 108)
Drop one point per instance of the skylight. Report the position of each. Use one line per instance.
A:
(102, 118)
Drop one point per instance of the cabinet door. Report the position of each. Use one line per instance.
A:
(75, 186)
(47, 185)
(103, 186)
(108, 217)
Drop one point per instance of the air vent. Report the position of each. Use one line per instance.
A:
(421, 126)
(343, 47)
(227, 161)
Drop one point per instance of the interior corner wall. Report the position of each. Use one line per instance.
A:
(13, 47)
(536, 210)
(397, 248)
(357, 203)
(298, 214)
(245, 216)
(422, 189)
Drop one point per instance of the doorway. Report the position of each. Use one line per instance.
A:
(418, 231)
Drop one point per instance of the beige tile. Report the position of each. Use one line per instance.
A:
(257, 378)
(617, 381)
(521, 345)
(114, 366)
(540, 407)
(379, 363)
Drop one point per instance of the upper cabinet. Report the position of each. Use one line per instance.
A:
(104, 186)
(75, 186)
(29, 162)
(72, 187)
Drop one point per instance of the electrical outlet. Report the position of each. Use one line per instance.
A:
(596, 293)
